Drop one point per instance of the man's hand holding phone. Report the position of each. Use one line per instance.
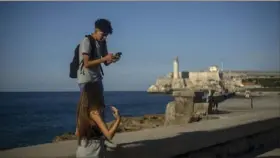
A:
(116, 57)
(108, 58)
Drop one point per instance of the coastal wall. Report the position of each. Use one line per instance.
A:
(248, 146)
(233, 136)
(223, 138)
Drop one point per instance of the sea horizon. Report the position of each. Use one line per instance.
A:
(50, 114)
(58, 91)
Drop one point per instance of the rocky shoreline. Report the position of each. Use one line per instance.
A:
(129, 124)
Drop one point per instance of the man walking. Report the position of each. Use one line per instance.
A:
(92, 53)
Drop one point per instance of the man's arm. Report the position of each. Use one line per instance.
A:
(105, 52)
(85, 48)
(91, 63)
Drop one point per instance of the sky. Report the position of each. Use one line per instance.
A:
(38, 40)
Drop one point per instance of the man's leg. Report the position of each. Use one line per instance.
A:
(82, 86)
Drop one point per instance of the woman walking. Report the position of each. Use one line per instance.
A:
(91, 127)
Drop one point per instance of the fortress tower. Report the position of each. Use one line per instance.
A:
(176, 68)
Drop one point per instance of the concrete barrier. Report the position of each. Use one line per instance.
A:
(226, 137)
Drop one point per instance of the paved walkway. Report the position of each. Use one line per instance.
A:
(275, 153)
(238, 106)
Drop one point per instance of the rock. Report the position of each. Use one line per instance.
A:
(164, 82)
(158, 89)
(137, 123)
(163, 89)
(65, 136)
(132, 128)
(170, 113)
(152, 89)
(178, 112)
(127, 124)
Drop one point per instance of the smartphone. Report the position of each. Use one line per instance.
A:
(118, 54)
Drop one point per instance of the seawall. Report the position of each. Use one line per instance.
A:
(234, 135)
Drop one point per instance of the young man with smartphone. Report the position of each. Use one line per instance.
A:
(92, 53)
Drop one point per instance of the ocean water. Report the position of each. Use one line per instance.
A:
(30, 118)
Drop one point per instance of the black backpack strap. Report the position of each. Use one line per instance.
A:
(82, 61)
(93, 50)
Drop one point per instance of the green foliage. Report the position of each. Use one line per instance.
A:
(265, 82)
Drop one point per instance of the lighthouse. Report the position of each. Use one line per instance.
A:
(176, 68)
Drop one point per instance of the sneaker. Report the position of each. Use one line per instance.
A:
(110, 145)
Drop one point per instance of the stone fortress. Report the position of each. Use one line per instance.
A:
(213, 79)
(197, 94)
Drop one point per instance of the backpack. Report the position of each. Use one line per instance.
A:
(74, 65)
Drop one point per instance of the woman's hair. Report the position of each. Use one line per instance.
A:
(83, 120)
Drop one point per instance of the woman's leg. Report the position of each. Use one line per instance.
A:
(109, 145)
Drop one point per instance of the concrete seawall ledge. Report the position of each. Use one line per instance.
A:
(168, 141)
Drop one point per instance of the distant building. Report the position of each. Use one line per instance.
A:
(213, 68)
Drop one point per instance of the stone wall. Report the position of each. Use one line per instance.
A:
(183, 74)
(203, 76)
(178, 84)
(228, 137)
(248, 146)
(164, 81)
